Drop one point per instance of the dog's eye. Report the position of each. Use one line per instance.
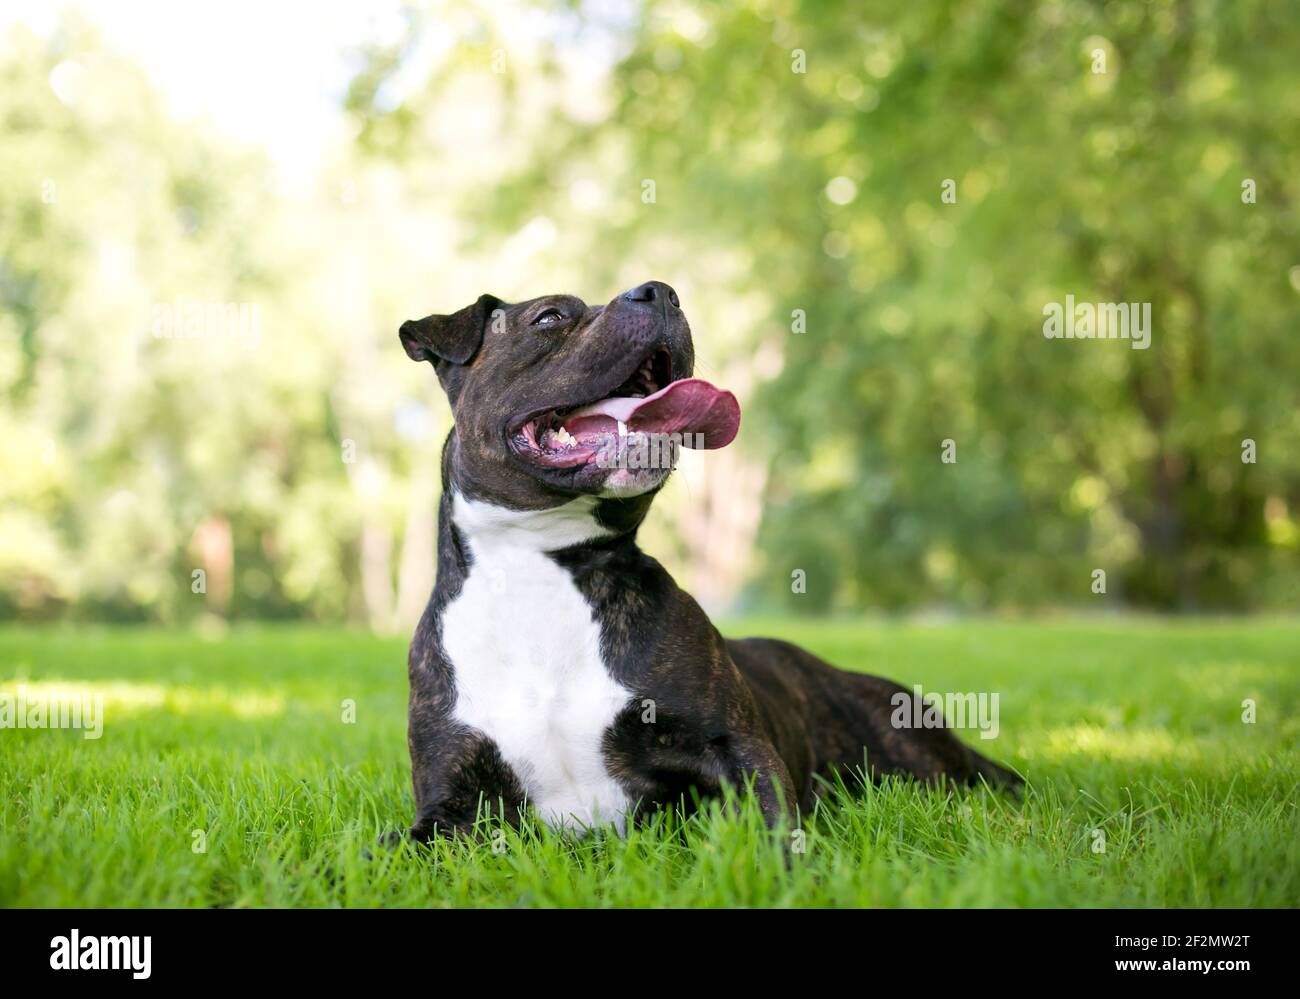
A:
(549, 318)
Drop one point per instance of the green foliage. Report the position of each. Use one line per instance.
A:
(150, 430)
(485, 157)
(924, 318)
(1133, 729)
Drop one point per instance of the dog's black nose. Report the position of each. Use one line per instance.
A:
(653, 291)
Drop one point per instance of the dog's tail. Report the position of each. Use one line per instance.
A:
(994, 774)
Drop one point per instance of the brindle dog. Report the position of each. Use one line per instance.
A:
(557, 665)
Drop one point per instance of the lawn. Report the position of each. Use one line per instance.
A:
(1146, 788)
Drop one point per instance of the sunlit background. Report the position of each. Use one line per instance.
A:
(213, 218)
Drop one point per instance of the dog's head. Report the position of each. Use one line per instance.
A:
(553, 398)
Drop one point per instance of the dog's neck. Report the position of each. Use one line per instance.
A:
(486, 525)
(571, 521)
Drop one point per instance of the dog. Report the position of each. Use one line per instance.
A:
(557, 666)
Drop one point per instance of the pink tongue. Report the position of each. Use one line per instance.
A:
(688, 406)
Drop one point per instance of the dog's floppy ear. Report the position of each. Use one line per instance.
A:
(454, 338)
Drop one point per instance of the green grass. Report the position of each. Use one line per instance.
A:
(1129, 727)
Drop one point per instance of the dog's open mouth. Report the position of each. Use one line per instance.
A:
(689, 411)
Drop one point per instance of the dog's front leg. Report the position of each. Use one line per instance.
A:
(459, 775)
(756, 759)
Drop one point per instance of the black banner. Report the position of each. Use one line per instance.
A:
(141, 947)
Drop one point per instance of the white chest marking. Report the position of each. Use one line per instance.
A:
(526, 653)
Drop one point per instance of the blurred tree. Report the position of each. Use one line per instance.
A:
(865, 212)
(181, 373)
(1100, 151)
